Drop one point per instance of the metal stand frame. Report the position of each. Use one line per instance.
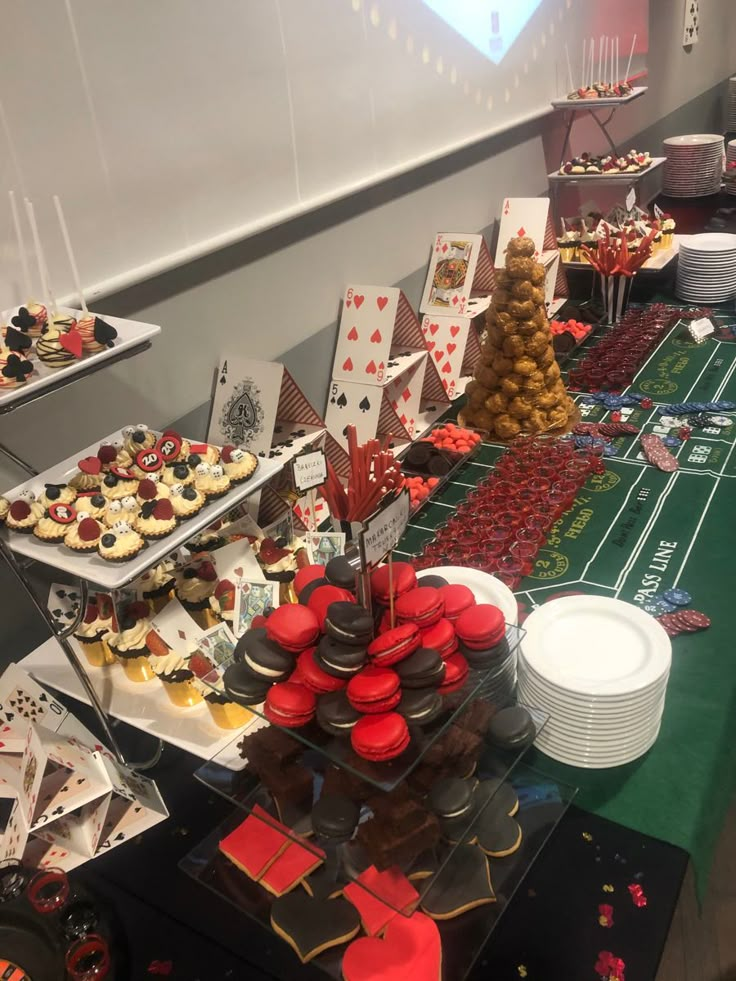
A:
(19, 571)
(602, 125)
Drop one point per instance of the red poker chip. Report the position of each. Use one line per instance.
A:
(682, 624)
(122, 473)
(701, 620)
(149, 460)
(63, 513)
(169, 446)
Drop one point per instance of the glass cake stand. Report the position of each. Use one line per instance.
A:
(388, 775)
(542, 803)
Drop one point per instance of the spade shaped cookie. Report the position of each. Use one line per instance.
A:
(311, 926)
(462, 884)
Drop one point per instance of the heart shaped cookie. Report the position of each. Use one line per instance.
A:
(72, 342)
(411, 948)
(91, 465)
(311, 926)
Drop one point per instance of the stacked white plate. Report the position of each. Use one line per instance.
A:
(731, 106)
(693, 165)
(706, 267)
(599, 667)
(730, 185)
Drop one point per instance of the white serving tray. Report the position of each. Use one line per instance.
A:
(143, 705)
(113, 575)
(608, 178)
(578, 105)
(131, 334)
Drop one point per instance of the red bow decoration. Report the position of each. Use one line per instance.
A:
(605, 915)
(637, 894)
(609, 967)
(160, 967)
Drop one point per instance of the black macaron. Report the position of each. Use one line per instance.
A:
(335, 714)
(420, 706)
(339, 660)
(484, 659)
(310, 588)
(243, 685)
(335, 816)
(339, 572)
(512, 728)
(422, 669)
(263, 656)
(451, 798)
(349, 623)
(432, 580)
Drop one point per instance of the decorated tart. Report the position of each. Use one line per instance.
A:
(238, 463)
(156, 519)
(186, 501)
(84, 534)
(53, 526)
(120, 543)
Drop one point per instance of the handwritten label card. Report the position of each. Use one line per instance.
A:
(382, 531)
(310, 470)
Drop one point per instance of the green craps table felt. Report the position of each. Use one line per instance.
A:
(634, 531)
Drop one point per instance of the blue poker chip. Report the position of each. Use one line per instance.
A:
(629, 400)
(651, 608)
(724, 406)
(609, 450)
(680, 597)
(663, 606)
(672, 441)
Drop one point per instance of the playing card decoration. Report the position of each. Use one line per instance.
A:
(691, 26)
(454, 346)
(63, 797)
(460, 264)
(531, 217)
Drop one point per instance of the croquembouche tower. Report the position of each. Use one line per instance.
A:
(516, 388)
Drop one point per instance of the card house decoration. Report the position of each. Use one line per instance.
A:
(382, 379)
(531, 217)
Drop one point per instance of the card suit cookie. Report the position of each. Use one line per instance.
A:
(254, 846)
(311, 926)
(72, 342)
(379, 896)
(497, 834)
(461, 885)
(290, 868)
(411, 948)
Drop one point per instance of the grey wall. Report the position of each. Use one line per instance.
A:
(276, 296)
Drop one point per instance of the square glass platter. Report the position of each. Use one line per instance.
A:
(113, 575)
(542, 803)
(387, 775)
(348, 861)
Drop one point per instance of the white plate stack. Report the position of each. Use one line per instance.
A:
(730, 185)
(731, 106)
(599, 667)
(693, 165)
(706, 267)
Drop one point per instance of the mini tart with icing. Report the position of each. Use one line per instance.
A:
(137, 438)
(55, 523)
(152, 489)
(84, 535)
(213, 483)
(122, 509)
(177, 473)
(23, 516)
(14, 369)
(156, 519)
(238, 464)
(31, 319)
(115, 488)
(206, 453)
(97, 334)
(58, 349)
(93, 503)
(186, 501)
(121, 543)
(4, 508)
(107, 454)
(185, 447)
(57, 494)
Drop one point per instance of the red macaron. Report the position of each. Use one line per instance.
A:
(422, 606)
(323, 596)
(380, 737)
(480, 627)
(374, 690)
(440, 637)
(293, 627)
(457, 598)
(394, 645)
(306, 575)
(402, 577)
(311, 675)
(289, 705)
(456, 672)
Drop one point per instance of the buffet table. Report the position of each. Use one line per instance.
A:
(633, 532)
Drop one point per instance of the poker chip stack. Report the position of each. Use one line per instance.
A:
(672, 610)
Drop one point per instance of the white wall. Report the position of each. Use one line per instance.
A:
(274, 293)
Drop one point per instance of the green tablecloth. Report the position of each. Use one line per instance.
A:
(635, 530)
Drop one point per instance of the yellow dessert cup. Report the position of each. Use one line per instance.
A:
(228, 715)
(667, 240)
(183, 694)
(97, 653)
(110, 656)
(137, 668)
(567, 253)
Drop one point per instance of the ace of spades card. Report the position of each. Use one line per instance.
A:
(460, 263)
(691, 25)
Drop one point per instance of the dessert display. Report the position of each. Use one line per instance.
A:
(568, 334)
(633, 226)
(127, 494)
(516, 387)
(588, 164)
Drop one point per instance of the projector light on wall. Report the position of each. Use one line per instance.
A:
(491, 26)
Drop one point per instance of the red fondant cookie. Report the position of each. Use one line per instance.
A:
(394, 645)
(380, 737)
(379, 896)
(374, 690)
(253, 846)
(481, 626)
(411, 948)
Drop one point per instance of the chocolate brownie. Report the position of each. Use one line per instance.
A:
(386, 847)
